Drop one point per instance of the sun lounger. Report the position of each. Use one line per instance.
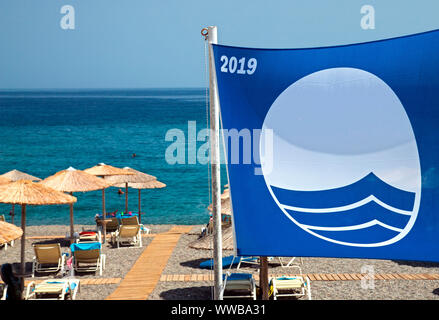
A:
(87, 257)
(289, 263)
(133, 220)
(11, 243)
(129, 220)
(297, 286)
(129, 234)
(255, 261)
(55, 289)
(239, 285)
(111, 225)
(48, 258)
(248, 260)
(89, 236)
(228, 261)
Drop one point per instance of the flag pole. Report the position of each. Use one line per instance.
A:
(215, 167)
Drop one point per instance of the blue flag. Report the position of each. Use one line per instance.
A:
(334, 151)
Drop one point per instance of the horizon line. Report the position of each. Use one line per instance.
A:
(97, 88)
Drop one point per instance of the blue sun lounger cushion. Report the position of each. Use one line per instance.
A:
(227, 261)
(126, 215)
(85, 246)
(238, 276)
(286, 278)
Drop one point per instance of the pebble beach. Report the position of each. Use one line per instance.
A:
(185, 261)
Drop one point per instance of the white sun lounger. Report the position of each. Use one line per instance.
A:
(87, 257)
(54, 289)
(290, 262)
(129, 234)
(48, 258)
(243, 284)
(297, 286)
(11, 243)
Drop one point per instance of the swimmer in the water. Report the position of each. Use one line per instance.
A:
(120, 191)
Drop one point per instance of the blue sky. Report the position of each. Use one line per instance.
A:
(152, 43)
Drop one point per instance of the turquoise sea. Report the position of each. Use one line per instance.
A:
(43, 132)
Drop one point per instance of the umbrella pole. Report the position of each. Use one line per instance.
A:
(263, 277)
(140, 214)
(71, 221)
(23, 238)
(126, 198)
(104, 224)
(12, 213)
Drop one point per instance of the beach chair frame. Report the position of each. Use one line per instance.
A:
(290, 262)
(11, 243)
(255, 261)
(111, 226)
(247, 285)
(88, 261)
(40, 263)
(297, 286)
(127, 234)
(59, 288)
(87, 238)
(134, 220)
(248, 260)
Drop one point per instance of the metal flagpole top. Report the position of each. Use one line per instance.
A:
(210, 34)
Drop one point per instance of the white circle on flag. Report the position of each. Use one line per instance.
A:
(330, 130)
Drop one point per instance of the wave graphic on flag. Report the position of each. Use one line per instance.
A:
(368, 204)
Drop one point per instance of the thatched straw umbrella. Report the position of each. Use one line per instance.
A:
(225, 202)
(9, 232)
(126, 181)
(103, 170)
(153, 184)
(225, 206)
(72, 180)
(24, 192)
(4, 180)
(206, 242)
(225, 194)
(15, 175)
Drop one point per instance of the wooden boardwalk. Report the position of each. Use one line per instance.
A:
(141, 280)
(85, 282)
(52, 237)
(311, 276)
